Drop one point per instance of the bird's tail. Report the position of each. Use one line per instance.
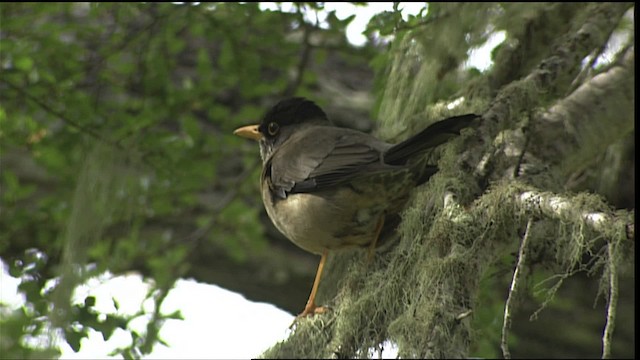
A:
(434, 135)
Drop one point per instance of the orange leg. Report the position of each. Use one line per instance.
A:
(372, 246)
(311, 307)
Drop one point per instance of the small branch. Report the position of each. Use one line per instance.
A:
(506, 324)
(157, 319)
(587, 70)
(613, 300)
(464, 315)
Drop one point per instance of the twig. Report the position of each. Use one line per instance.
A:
(613, 301)
(587, 70)
(506, 324)
(464, 315)
(302, 63)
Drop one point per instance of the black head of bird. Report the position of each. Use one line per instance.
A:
(281, 121)
(328, 188)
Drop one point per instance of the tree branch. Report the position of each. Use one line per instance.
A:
(594, 114)
(506, 324)
(547, 79)
(514, 61)
(563, 61)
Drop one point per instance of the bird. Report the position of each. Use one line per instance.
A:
(328, 188)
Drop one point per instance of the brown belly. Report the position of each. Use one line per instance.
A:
(322, 221)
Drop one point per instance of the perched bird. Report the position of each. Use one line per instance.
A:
(328, 188)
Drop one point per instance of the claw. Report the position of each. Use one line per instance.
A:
(372, 247)
(309, 310)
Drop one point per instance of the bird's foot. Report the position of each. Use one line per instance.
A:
(312, 310)
(372, 246)
(309, 310)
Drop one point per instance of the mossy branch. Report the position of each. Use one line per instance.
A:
(575, 209)
(413, 294)
(564, 61)
(551, 77)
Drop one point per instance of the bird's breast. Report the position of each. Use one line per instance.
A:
(324, 220)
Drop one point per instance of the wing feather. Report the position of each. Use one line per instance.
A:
(319, 158)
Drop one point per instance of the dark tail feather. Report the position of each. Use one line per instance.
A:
(425, 174)
(434, 135)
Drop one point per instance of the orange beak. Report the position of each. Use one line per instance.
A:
(249, 132)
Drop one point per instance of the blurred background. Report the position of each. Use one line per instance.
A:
(131, 223)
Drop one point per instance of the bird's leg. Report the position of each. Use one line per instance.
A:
(311, 307)
(372, 246)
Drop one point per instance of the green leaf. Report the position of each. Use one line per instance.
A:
(30, 288)
(384, 22)
(191, 127)
(23, 63)
(3, 118)
(176, 315)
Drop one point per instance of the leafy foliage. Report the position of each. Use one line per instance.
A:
(161, 87)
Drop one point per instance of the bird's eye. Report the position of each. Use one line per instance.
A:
(273, 128)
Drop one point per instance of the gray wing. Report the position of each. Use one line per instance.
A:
(317, 160)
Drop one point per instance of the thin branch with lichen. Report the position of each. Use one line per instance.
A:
(612, 302)
(566, 208)
(506, 324)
